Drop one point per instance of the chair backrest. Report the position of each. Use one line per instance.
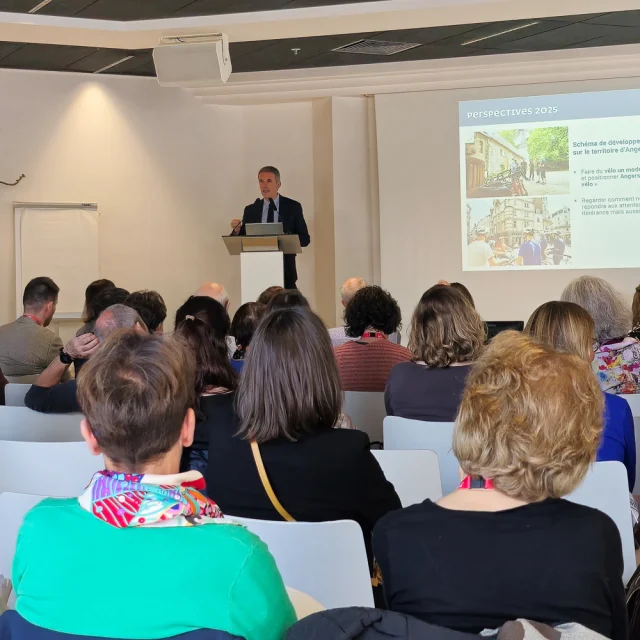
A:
(401, 433)
(634, 403)
(13, 507)
(414, 474)
(606, 487)
(14, 394)
(20, 423)
(367, 411)
(58, 469)
(326, 560)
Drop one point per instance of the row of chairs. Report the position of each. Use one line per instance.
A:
(327, 560)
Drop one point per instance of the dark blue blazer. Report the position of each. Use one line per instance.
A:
(14, 627)
(292, 218)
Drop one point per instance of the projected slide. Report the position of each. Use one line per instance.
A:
(551, 182)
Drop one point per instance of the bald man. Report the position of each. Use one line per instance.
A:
(49, 394)
(215, 291)
(349, 289)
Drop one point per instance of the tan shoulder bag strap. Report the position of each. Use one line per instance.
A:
(255, 449)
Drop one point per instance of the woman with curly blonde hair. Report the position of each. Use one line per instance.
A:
(505, 545)
(446, 337)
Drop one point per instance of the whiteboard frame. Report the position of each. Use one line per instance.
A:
(85, 206)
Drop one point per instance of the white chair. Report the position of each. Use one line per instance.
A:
(634, 402)
(367, 411)
(14, 394)
(414, 474)
(13, 507)
(20, 423)
(326, 560)
(606, 487)
(401, 433)
(58, 469)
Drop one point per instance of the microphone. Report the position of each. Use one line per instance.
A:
(273, 204)
(233, 231)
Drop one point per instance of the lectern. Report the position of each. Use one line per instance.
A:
(261, 261)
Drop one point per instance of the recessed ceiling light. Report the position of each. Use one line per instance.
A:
(113, 64)
(37, 8)
(501, 33)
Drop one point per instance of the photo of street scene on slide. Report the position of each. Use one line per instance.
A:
(530, 161)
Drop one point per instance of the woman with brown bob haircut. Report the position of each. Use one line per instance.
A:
(446, 337)
(568, 327)
(505, 545)
(288, 402)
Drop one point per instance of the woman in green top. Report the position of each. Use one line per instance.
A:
(143, 553)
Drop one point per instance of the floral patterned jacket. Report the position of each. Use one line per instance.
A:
(617, 365)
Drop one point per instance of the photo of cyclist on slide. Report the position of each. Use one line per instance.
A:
(531, 161)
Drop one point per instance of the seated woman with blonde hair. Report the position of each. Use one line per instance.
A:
(446, 337)
(505, 545)
(568, 327)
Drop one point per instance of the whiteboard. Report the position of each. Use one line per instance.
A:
(59, 241)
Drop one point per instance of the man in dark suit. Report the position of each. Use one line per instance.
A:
(273, 207)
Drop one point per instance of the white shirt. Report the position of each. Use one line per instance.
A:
(265, 209)
(479, 254)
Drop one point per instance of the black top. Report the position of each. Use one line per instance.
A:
(61, 398)
(423, 393)
(292, 218)
(553, 562)
(214, 411)
(331, 475)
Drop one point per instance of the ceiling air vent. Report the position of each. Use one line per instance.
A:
(377, 47)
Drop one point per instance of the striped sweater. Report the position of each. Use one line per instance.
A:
(365, 366)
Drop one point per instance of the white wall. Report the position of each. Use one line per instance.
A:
(148, 156)
(419, 173)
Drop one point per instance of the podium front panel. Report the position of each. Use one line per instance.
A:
(259, 271)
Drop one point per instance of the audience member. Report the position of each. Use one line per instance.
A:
(137, 395)
(569, 327)
(26, 346)
(617, 355)
(286, 299)
(505, 545)
(88, 314)
(203, 324)
(245, 322)
(446, 337)
(215, 291)
(48, 394)
(635, 310)
(288, 402)
(150, 307)
(365, 363)
(107, 298)
(265, 297)
(349, 289)
(458, 286)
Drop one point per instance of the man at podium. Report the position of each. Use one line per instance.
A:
(272, 207)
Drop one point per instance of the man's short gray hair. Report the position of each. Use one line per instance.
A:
(117, 316)
(609, 309)
(350, 287)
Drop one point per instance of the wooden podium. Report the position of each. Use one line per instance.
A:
(261, 263)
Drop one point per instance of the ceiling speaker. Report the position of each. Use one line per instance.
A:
(192, 64)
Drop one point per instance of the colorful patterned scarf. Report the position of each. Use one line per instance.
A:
(130, 500)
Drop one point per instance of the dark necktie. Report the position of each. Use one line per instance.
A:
(270, 214)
